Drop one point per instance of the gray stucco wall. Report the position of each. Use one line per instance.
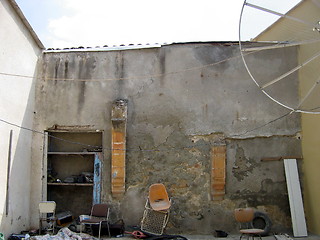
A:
(182, 99)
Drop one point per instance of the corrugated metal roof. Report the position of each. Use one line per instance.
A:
(132, 46)
(104, 48)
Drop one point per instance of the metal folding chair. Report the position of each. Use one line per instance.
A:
(99, 214)
(156, 213)
(47, 214)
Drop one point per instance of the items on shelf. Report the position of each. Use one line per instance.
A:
(85, 177)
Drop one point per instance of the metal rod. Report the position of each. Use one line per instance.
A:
(291, 71)
(279, 14)
(279, 45)
(309, 92)
(8, 173)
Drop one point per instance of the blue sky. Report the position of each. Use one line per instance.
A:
(39, 14)
(73, 23)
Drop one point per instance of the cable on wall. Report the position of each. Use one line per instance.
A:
(236, 136)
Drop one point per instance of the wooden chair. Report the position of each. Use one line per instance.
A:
(244, 216)
(99, 214)
(47, 214)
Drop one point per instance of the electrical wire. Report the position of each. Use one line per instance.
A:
(44, 134)
(263, 125)
(155, 75)
(96, 146)
(127, 78)
(144, 150)
(138, 77)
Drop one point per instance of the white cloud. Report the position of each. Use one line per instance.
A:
(144, 21)
(109, 22)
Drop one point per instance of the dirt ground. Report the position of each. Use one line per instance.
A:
(236, 237)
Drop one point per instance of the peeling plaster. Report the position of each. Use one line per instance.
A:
(243, 165)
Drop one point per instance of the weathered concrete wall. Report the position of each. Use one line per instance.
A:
(18, 58)
(182, 100)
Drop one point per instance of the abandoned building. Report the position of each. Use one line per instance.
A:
(184, 114)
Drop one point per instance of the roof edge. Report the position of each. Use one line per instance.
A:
(122, 47)
(20, 14)
(278, 20)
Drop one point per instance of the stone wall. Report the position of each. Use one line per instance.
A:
(183, 99)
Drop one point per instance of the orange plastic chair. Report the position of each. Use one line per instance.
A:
(158, 197)
(157, 208)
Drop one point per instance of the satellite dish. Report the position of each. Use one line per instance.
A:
(287, 33)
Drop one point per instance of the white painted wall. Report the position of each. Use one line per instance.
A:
(18, 56)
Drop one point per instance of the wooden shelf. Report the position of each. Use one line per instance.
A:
(71, 184)
(72, 153)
